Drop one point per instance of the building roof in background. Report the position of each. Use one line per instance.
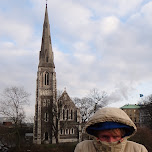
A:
(5, 119)
(130, 106)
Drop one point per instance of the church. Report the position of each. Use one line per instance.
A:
(56, 120)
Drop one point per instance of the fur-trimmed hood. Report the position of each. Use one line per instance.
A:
(111, 115)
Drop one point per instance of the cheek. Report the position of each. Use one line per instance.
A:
(102, 139)
(117, 138)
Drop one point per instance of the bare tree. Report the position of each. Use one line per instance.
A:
(30, 119)
(146, 111)
(90, 104)
(12, 104)
(98, 98)
(56, 114)
(59, 94)
(84, 104)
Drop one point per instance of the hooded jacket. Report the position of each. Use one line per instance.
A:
(110, 115)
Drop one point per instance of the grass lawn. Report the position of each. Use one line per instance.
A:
(66, 147)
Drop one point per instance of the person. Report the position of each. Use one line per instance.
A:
(110, 128)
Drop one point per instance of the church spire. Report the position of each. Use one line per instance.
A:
(46, 57)
(45, 90)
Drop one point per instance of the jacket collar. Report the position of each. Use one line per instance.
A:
(110, 146)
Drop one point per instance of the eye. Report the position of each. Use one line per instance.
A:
(116, 137)
(104, 137)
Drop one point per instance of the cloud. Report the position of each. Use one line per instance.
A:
(96, 44)
(121, 8)
(109, 24)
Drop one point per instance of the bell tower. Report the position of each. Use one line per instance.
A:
(45, 90)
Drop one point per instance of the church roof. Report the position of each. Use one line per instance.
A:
(130, 106)
(66, 100)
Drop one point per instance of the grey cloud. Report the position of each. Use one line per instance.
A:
(94, 46)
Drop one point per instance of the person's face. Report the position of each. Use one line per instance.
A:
(109, 135)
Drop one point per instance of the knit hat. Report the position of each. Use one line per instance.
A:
(107, 126)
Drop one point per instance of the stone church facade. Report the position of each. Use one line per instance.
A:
(70, 121)
(55, 120)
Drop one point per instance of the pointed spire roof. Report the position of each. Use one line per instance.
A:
(46, 18)
(46, 57)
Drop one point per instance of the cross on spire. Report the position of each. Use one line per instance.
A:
(65, 89)
(46, 3)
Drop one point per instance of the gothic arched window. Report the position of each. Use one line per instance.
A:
(76, 116)
(67, 114)
(47, 102)
(63, 114)
(46, 136)
(47, 59)
(61, 131)
(46, 78)
(67, 131)
(44, 103)
(72, 131)
(71, 114)
(46, 117)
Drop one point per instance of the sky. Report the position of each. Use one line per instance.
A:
(96, 44)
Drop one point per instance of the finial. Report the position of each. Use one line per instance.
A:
(65, 89)
(46, 3)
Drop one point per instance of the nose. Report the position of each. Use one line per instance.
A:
(110, 139)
